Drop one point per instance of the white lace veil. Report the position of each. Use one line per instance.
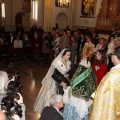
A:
(60, 54)
(51, 69)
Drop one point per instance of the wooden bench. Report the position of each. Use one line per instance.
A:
(19, 53)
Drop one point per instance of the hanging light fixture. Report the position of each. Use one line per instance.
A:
(64, 3)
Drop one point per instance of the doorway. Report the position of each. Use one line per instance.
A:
(61, 19)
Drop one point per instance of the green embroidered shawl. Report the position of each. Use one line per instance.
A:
(83, 83)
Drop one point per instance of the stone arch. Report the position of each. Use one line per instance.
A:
(62, 20)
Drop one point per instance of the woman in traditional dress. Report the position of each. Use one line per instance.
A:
(49, 85)
(77, 97)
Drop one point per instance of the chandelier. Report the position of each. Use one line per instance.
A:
(64, 3)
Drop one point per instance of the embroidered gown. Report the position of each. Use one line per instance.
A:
(106, 105)
(77, 96)
(49, 85)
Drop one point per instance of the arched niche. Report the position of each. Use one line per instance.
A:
(61, 19)
(19, 18)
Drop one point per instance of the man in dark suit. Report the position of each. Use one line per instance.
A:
(9, 39)
(81, 42)
(52, 112)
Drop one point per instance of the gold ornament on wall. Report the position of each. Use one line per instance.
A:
(88, 8)
(62, 3)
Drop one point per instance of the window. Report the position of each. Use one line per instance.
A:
(35, 10)
(3, 10)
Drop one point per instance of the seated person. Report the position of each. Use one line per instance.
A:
(18, 43)
(52, 112)
(26, 41)
(3, 93)
(9, 39)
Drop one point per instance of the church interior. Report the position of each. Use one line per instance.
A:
(94, 17)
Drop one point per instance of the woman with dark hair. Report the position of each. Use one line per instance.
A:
(99, 65)
(50, 85)
(111, 37)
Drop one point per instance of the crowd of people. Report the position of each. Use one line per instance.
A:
(89, 74)
(86, 62)
(49, 44)
(79, 102)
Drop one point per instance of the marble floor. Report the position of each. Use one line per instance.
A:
(31, 74)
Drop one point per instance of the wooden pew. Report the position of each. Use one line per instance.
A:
(19, 53)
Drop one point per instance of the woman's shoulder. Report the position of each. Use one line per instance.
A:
(69, 62)
(85, 63)
(56, 62)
